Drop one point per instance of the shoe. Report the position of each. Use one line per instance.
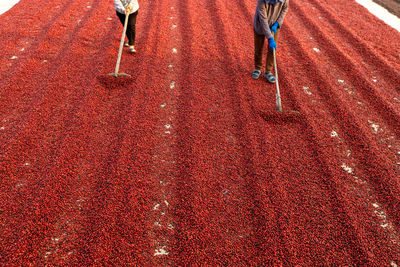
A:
(126, 44)
(256, 74)
(132, 49)
(270, 78)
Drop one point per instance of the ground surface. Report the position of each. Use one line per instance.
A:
(188, 162)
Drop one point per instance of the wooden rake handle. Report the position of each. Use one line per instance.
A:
(121, 45)
(278, 94)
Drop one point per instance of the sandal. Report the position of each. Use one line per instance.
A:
(256, 74)
(270, 78)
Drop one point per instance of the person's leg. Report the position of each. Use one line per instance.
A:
(131, 30)
(270, 55)
(258, 50)
(122, 19)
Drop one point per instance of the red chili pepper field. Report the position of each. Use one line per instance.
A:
(188, 162)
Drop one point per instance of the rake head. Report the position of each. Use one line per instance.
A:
(278, 103)
(116, 75)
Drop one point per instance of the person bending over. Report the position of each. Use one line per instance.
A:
(130, 7)
(268, 19)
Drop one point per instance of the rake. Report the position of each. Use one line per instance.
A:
(278, 95)
(121, 45)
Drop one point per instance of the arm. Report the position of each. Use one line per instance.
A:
(283, 13)
(130, 4)
(133, 6)
(262, 14)
(128, 8)
(119, 6)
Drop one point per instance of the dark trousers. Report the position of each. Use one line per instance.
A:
(131, 28)
(259, 41)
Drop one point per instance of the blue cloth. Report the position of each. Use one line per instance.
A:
(273, 2)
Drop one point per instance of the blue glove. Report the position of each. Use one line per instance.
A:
(274, 27)
(271, 43)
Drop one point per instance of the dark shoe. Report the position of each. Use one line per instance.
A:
(270, 78)
(256, 74)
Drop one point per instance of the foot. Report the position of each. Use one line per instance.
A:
(270, 78)
(126, 44)
(132, 49)
(256, 74)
